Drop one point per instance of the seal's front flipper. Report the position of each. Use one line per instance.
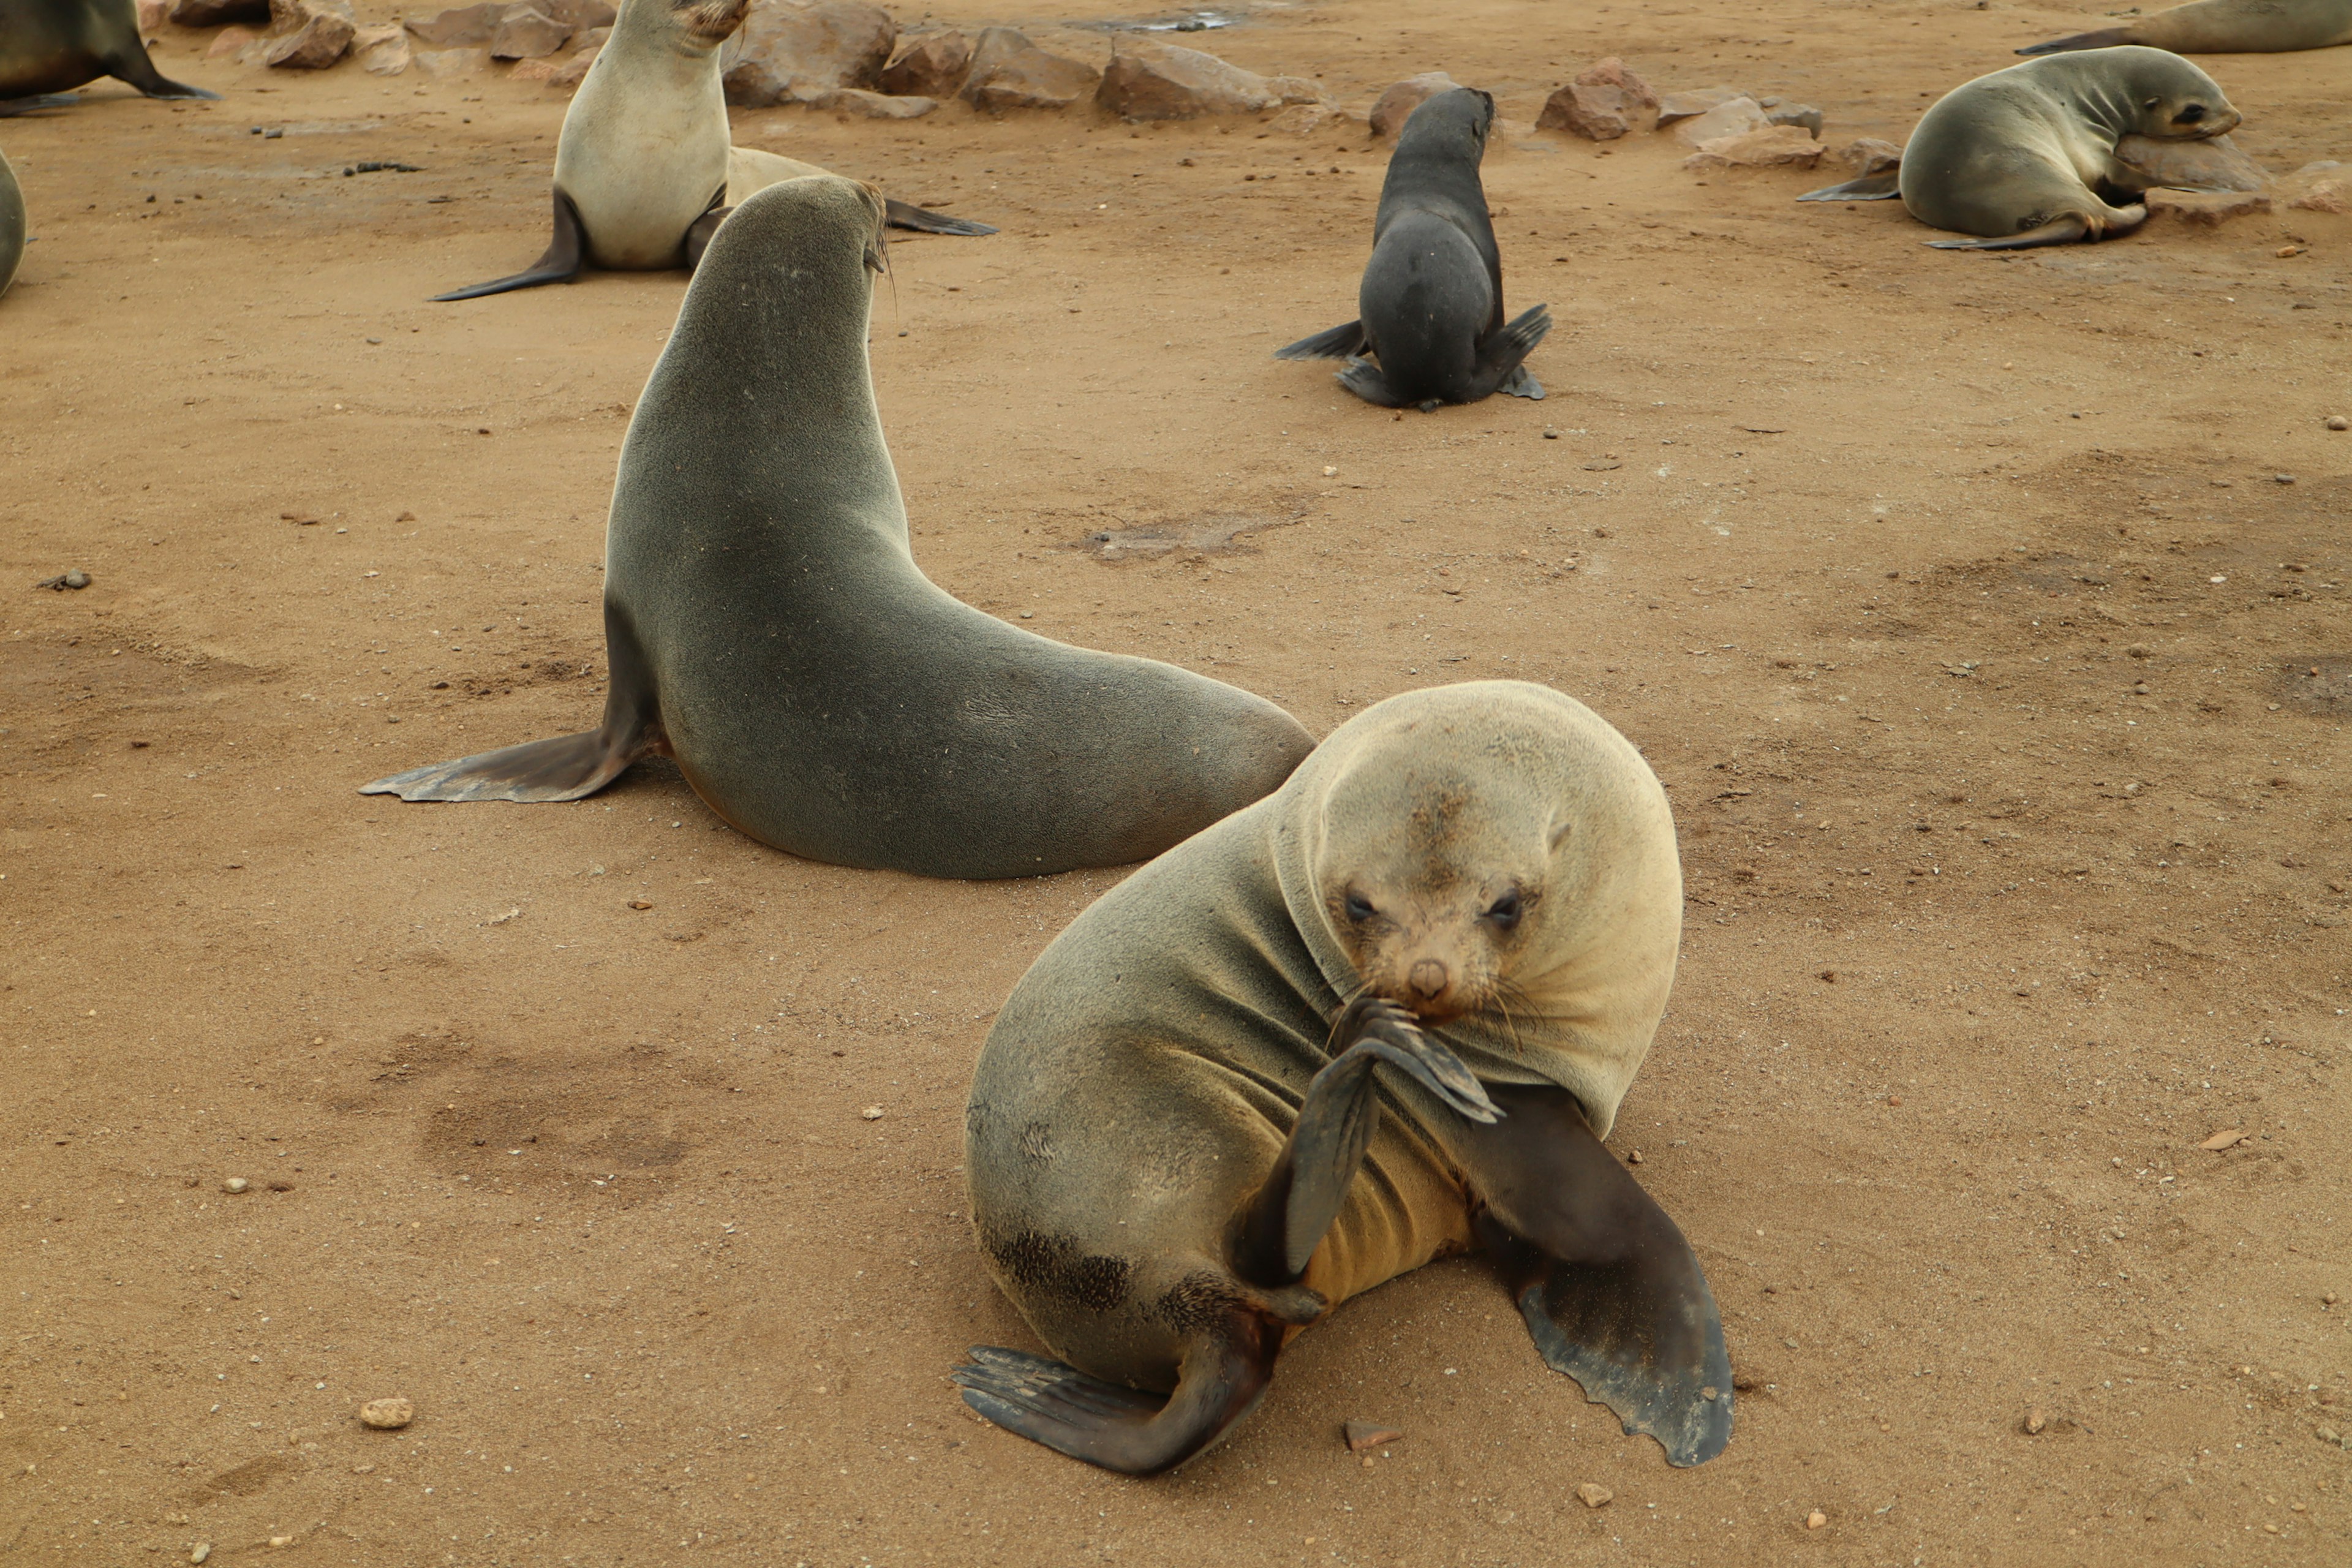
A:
(1363, 378)
(2062, 231)
(699, 233)
(560, 264)
(1611, 1293)
(1119, 1429)
(1884, 186)
(1500, 354)
(1344, 341)
(903, 214)
(2101, 39)
(14, 106)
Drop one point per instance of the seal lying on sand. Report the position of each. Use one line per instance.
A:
(766, 623)
(48, 46)
(2223, 27)
(2026, 156)
(1430, 308)
(643, 169)
(1384, 1014)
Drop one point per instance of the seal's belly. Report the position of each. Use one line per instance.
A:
(1404, 1208)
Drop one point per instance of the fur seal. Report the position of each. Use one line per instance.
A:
(1383, 1015)
(48, 46)
(2026, 156)
(2223, 27)
(766, 623)
(11, 224)
(644, 172)
(1430, 308)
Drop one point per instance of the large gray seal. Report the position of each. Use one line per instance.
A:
(1385, 1014)
(2026, 156)
(644, 172)
(11, 224)
(766, 625)
(2223, 27)
(1430, 308)
(48, 46)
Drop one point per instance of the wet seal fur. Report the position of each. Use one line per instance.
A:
(2026, 156)
(644, 172)
(49, 45)
(1384, 1015)
(1430, 308)
(766, 625)
(11, 224)
(2223, 27)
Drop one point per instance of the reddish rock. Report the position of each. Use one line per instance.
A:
(457, 28)
(793, 52)
(382, 51)
(1868, 155)
(1008, 71)
(1690, 105)
(311, 34)
(525, 33)
(2205, 208)
(1297, 89)
(213, 13)
(231, 41)
(1150, 81)
(2326, 196)
(1733, 118)
(152, 15)
(1396, 105)
(1604, 102)
(573, 71)
(933, 66)
(1772, 147)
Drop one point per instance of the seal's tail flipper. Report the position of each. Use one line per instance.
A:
(560, 264)
(14, 106)
(1121, 1429)
(1883, 186)
(1611, 1290)
(1341, 343)
(904, 215)
(2101, 39)
(2064, 230)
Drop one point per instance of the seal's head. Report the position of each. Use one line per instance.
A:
(706, 23)
(2171, 97)
(1452, 123)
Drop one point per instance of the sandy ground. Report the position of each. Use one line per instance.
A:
(1998, 670)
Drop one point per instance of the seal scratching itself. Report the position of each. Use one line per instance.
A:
(644, 172)
(1430, 308)
(2223, 27)
(766, 625)
(48, 46)
(1386, 1013)
(2026, 156)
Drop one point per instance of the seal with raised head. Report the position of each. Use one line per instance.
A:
(11, 224)
(2222, 28)
(766, 625)
(1430, 308)
(1386, 1013)
(48, 46)
(643, 170)
(2026, 156)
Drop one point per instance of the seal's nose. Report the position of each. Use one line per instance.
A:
(1429, 979)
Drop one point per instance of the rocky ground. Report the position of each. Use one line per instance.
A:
(1984, 616)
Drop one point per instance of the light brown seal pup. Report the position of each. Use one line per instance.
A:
(644, 172)
(48, 46)
(2026, 156)
(2222, 28)
(767, 626)
(1181, 1144)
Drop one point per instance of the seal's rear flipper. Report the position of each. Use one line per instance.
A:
(2060, 231)
(1341, 343)
(1884, 186)
(560, 264)
(1519, 383)
(1363, 378)
(903, 214)
(1500, 353)
(1119, 1429)
(1611, 1290)
(2101, 39)
(13, 106)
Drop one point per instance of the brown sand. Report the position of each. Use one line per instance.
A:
(1955, 598)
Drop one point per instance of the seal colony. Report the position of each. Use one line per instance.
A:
(1181, 1144)
(49, 45)
(2026, 156)
(1430, 308)
(2223, 27)
(766, 625)
(643, 170)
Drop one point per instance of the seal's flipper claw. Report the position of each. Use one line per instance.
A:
(1343, 341)
(2099, 39)
(14, 106)
(1611, 1292)
(1363, 378)
(559, 264)
(904, 215)
(2060, 231)
(1118, 1428)
(1884, 186)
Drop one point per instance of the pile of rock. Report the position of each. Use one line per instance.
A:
(1726, 127)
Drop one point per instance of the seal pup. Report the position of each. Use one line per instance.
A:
(2222, 28)
(1383, 1015)
(11, 224)
(2026, 156)
(644, 172)
(48, 46)
(766, 625)
(1430, 308)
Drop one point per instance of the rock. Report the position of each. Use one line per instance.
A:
(236, 1184)
(1147, 81)
(534, 71)
(1816, 1519)
(1677, 105)
(201, 1552)
(387, 1414)
(1363, 1435)
(1604, 102)
(1774, 147)
(876, 105)
(872, 1113)
(573, 71)
(2205, 208)
(2215, 165)
(213, 13)
(1306, 118)
(382, 51)
(525, 33)
(1869, 156)
(442, 64)
(1396, 105)
(1593, 1495)
(579, 15)
(1803, 114)
(2324, 195)
(790, 52)
(1008, 71)
(1296, 89)
(2338, 422)
(152, 16)
(641, 903)
(1733, 117)
(457, 28)
(933, 66)
(2035, 1420)
(231, 41)
(313, 34)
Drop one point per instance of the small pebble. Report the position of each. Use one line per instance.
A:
(1592, 1495)
(1816, 1519)
(872, 1113)
(1363, 1435)
(281, 1541)
(2283, 478)
(235, 1185)
(2338, 422)
(203, 1550)
(641, 903)
(387, 1414)
(2034, 1422)
(1551, 434)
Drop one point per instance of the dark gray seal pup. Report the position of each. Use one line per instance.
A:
(1430, 308)
(2026, 156)
(644, 172)
(48, 46)
(2223, 27)
(1386, 1013)
(767, 626)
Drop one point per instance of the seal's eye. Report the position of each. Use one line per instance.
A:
(1504, 912)
(1359, 909)
(2190, 115)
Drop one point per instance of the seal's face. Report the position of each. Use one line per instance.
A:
(2188, 115)
(709, 21)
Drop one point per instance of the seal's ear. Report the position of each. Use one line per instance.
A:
(878, 247)
(1559, 834)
